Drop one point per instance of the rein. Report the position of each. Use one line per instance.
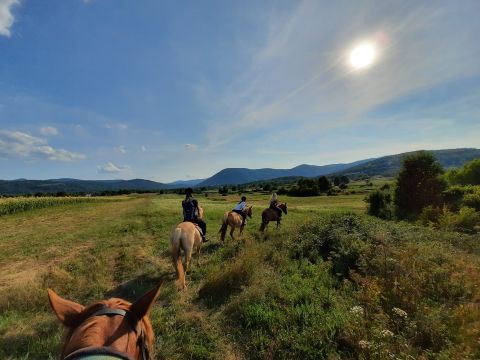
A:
(107, 352)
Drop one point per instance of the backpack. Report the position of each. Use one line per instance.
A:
(188, 209)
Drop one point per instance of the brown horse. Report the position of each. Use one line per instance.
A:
(234, 220)
(108, 329)
(185, 237)
(272, 215)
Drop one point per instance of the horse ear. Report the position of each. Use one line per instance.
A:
(67, 311)
(142, 306)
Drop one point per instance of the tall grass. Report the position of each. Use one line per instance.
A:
(20, 204)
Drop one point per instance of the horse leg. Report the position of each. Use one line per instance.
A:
(241, 228)
(231, 232)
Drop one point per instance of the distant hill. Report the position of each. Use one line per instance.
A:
(183, 183)
(234, 176)
(390, 165)
(386, 166)
(22, 186)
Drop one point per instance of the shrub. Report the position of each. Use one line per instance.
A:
(472, 200)
(465, 220)
(430, 216)
(418, 185)
(379, 204)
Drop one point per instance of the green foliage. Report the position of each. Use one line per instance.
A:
(467, 219)
(21, 204)
(223, 190)
(472, 199)
(304, 187)
(323, 184)
(418, 185)
(469, 174)
(379, 204)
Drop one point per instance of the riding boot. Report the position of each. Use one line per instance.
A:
(204, 238)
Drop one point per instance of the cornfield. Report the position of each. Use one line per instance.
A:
(20, 204)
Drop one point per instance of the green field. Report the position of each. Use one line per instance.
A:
(261, 296)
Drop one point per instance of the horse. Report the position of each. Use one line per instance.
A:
(186, 236)
(272, 215)
(107, 329)
(234, 220)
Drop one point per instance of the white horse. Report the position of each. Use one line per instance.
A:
(186, 237)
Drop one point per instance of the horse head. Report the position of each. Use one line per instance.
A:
(249, 212)
(113, 327)
(283, 207)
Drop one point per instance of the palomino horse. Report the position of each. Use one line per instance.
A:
(272, 215)
(108, 329)
(185, 237)
(234, 220)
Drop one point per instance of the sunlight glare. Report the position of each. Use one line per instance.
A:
(362, 56)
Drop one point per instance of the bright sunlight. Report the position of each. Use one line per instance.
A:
(362, 56)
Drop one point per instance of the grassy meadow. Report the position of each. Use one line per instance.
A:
(332, 283)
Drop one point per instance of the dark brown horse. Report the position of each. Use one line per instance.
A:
(272, 215)
(108, 329)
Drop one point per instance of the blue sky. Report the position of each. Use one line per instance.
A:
(168, 90)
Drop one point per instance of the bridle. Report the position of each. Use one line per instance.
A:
(93, 351)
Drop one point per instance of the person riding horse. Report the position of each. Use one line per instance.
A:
(240, 209)
(274, 205)
(191, 212)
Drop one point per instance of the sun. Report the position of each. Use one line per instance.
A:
(362, 56)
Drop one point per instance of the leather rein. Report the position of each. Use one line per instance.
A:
(97, 352)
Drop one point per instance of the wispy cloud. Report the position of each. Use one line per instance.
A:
(48, 130)
(118, 126)
(16, 144)
(111, 168)
(191, 147)
(121, 149)
(6, 16)
(143, 148)
(299, 76)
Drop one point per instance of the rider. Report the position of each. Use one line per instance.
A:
(240, 209)
(190, 212)
(274, 204)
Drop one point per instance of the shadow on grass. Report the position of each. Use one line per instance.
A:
(28, 346)
(133, 289)
(211, 247)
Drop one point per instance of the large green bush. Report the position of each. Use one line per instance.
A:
(418, 185)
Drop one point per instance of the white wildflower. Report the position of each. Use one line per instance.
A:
(386, 333)
(356, 310)
(399, 312)
(364, 344)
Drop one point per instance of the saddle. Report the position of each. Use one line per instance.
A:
(199, 229)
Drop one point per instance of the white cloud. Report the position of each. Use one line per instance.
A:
(111, 168)
(16, 144)
(6, 16)
(143, 148)
(118, 126)
(191, 147)
(121, 149)
(48, 130)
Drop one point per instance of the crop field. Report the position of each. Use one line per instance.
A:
(331, 283)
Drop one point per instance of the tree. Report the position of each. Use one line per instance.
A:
(419, 184)
(344, 179)
(323, 184)
(468, 175)
(336, 181)
(379, 204)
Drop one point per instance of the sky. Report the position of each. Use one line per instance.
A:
(169, 90)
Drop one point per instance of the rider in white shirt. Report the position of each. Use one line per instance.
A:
(240, 209)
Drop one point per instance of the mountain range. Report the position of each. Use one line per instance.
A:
(385, 166)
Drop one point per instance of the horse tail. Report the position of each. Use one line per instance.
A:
(223, 229)
(177, 261)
